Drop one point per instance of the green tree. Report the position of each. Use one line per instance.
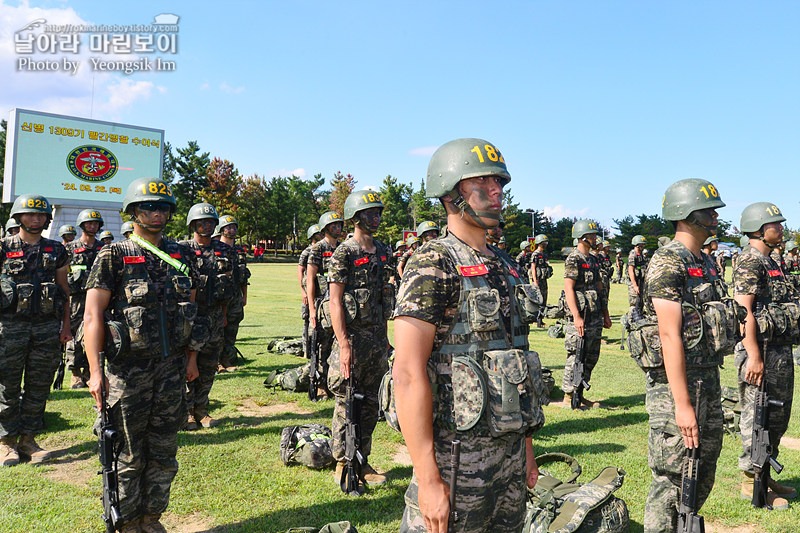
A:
(341, 187)
(224, 186)
(191, 168)
(307, 204)
(250, 215)
(395, 197)
(422, 208)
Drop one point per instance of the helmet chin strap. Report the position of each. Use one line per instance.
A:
(157, 227)
(462, 204)
(34, 231)
(694, 220)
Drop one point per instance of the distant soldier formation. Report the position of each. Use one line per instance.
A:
(146, 323)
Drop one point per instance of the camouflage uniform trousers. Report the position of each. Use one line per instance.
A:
(231, 330)
(634, 299)
(779, 373)
(197, 391)
(491, 484)
(146, 405)
(74, 355)
(370, 351)
(543, 290)
(593, 332)
(33, 349)
(666, 450)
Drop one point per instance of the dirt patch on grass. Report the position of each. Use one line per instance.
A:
(401, 456)
(193, 523)
(251, 408)
(75, 472)
(711, 527)
(790, 442)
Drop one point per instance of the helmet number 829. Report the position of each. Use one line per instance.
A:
(491, 152)
(37, 202)
(156, 188)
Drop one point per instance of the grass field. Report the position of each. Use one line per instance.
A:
(231, 478)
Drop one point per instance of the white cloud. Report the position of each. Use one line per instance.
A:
(125, 92)
(423, 151)
(559, 211)
(231, 90)
(204, 86)
(299, 172)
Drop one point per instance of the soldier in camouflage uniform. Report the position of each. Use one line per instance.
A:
(82, 253)
(145, 285)
(606, 266)
(412, 243)
(314, 235)
(319, 261)
(67, 232)
(12, 227)
(427, 231)
(792, 261)
(229, 229)
(710, 245)
(107, 237)
(455, 303)
(524, 258)
(126, 230)
(34, 322)
(679, 272)
(360, 347)
(399, 250)
(777, 254)
(759, 284)
(637, 266)
(216, 263)
(586, 301)
(540, 271)
(619, 266)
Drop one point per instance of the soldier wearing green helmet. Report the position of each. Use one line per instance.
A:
(331, 224)
(461, 283)
(216, 263)
(67, 232)
(427, 231)
(679, 281)
(792, 261)
(523, 258)
(540, 271)
(358, 269)
(126, 229)
(618, 265)
(229, 229)
(711, 245)
(82, 254)
(314, 235)
(399, 250)
(146, 286)
(106, 237)
(765, 353)
(586, 301)
(412, 243)
(12, 227)
(606, 266)
(34, 320)
(637, 266)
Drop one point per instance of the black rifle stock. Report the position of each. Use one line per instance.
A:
(761, 447)
(58, 382)
(455, 460)
(314, 373)
(110, 448)
(688, 519)
(353, 456)
(578, 369)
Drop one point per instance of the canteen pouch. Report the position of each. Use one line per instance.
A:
(587, 298)
(388, 301)
(24, 299)
(350, 310)
(183, 286)
(484, 309)
(78, 274)
(547, 272)
(529, 302)
(185, 316)
(532, 413)
(116, 340)
(644, 344)
(135, 319)
(721, 326)
(792, 312)
(7, 291)
(469, 392)
(136, 292)
(364, 309)
(49, 296)
(507, 380)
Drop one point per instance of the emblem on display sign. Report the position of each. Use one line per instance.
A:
(92, 163)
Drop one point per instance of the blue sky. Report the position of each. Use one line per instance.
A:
(597, 106)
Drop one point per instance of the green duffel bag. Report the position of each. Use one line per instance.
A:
(334, 527)
(292, 379)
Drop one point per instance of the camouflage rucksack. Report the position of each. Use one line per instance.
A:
(308, 445)
(731, 410)
(292, 379)
(556, 331)
(334, 527)
(557, 506)
(554, 311)
(386, 397)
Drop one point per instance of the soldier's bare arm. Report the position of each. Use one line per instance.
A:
(311, 276)
(301, 272)
(339, 327)
(632, 277)
(93, 337)
(61, 280)
(572, 303)
(670, 320)
(532, 469)
(414, 342)
(754, 371)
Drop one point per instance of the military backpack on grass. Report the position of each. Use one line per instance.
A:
(334, 527)
(308, 445)
(291, 379)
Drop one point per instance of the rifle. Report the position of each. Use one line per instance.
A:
(351, 473)
(455, 459)
(761, 447)
(578, 383)
(110, 448)
(314, 374)
(58, 382)
(688, 519)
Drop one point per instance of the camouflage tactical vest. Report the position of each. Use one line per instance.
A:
(216, 284)
(242, 273)
(156, 314)
(82, 258)
(778, 312)
(484, 378)
(543, 269)
(639, 267)
(368, 282)
(27, 282)
(322, 274)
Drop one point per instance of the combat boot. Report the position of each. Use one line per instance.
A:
(28, 448)
(8, 451)
(77, 382)
(131, 527)
(151, 524)
(784, 491)
(773, 500)
(191, 424)
(370, 477)
(591, 404)
(204, 419)
(337, 474)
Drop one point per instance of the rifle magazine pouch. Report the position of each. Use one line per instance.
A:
(135, 319)
(484, 309)
(364, 313)
(201, 331)
(644, 344)
(184, 319)
(76, 279)
(24, 298)
(469, 392)
(588, 301)
(223, 288)
(8, 290)
(49, 295)
(529, 302)
(507, 381)
(136, 292)
(182, 285)
(721, 326)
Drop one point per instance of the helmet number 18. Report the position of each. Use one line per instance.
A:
(709, 191)
(491, 152)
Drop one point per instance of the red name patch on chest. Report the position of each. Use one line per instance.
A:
(327, 254)
(133, 259)
(362, 261)
(79, 250)
(176, 255)
(713, 272)
(774, 273)
(15, 254)
(475, 270)
(198, 252)
(383, 258)
(696, 272)
(48, 249)
(586, 265)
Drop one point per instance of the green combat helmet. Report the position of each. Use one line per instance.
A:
(756, 215)
(201, 211)
(637, 240)
(126, 228)
(89, 215)
(312, 230)
(791, 245)
(463, 159)
(399, 244)
(106, 235)
(328, 218)
(412, 239)
(685, 198)
(712, 238)
(663, 241)
(227, 220)
(32, 203)
(425, 227)
(217, 231)
(66, 229)
(541, 239)
(524, 245)
(147, 190)
(359, 201)
(11, 224)
(584, 227)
